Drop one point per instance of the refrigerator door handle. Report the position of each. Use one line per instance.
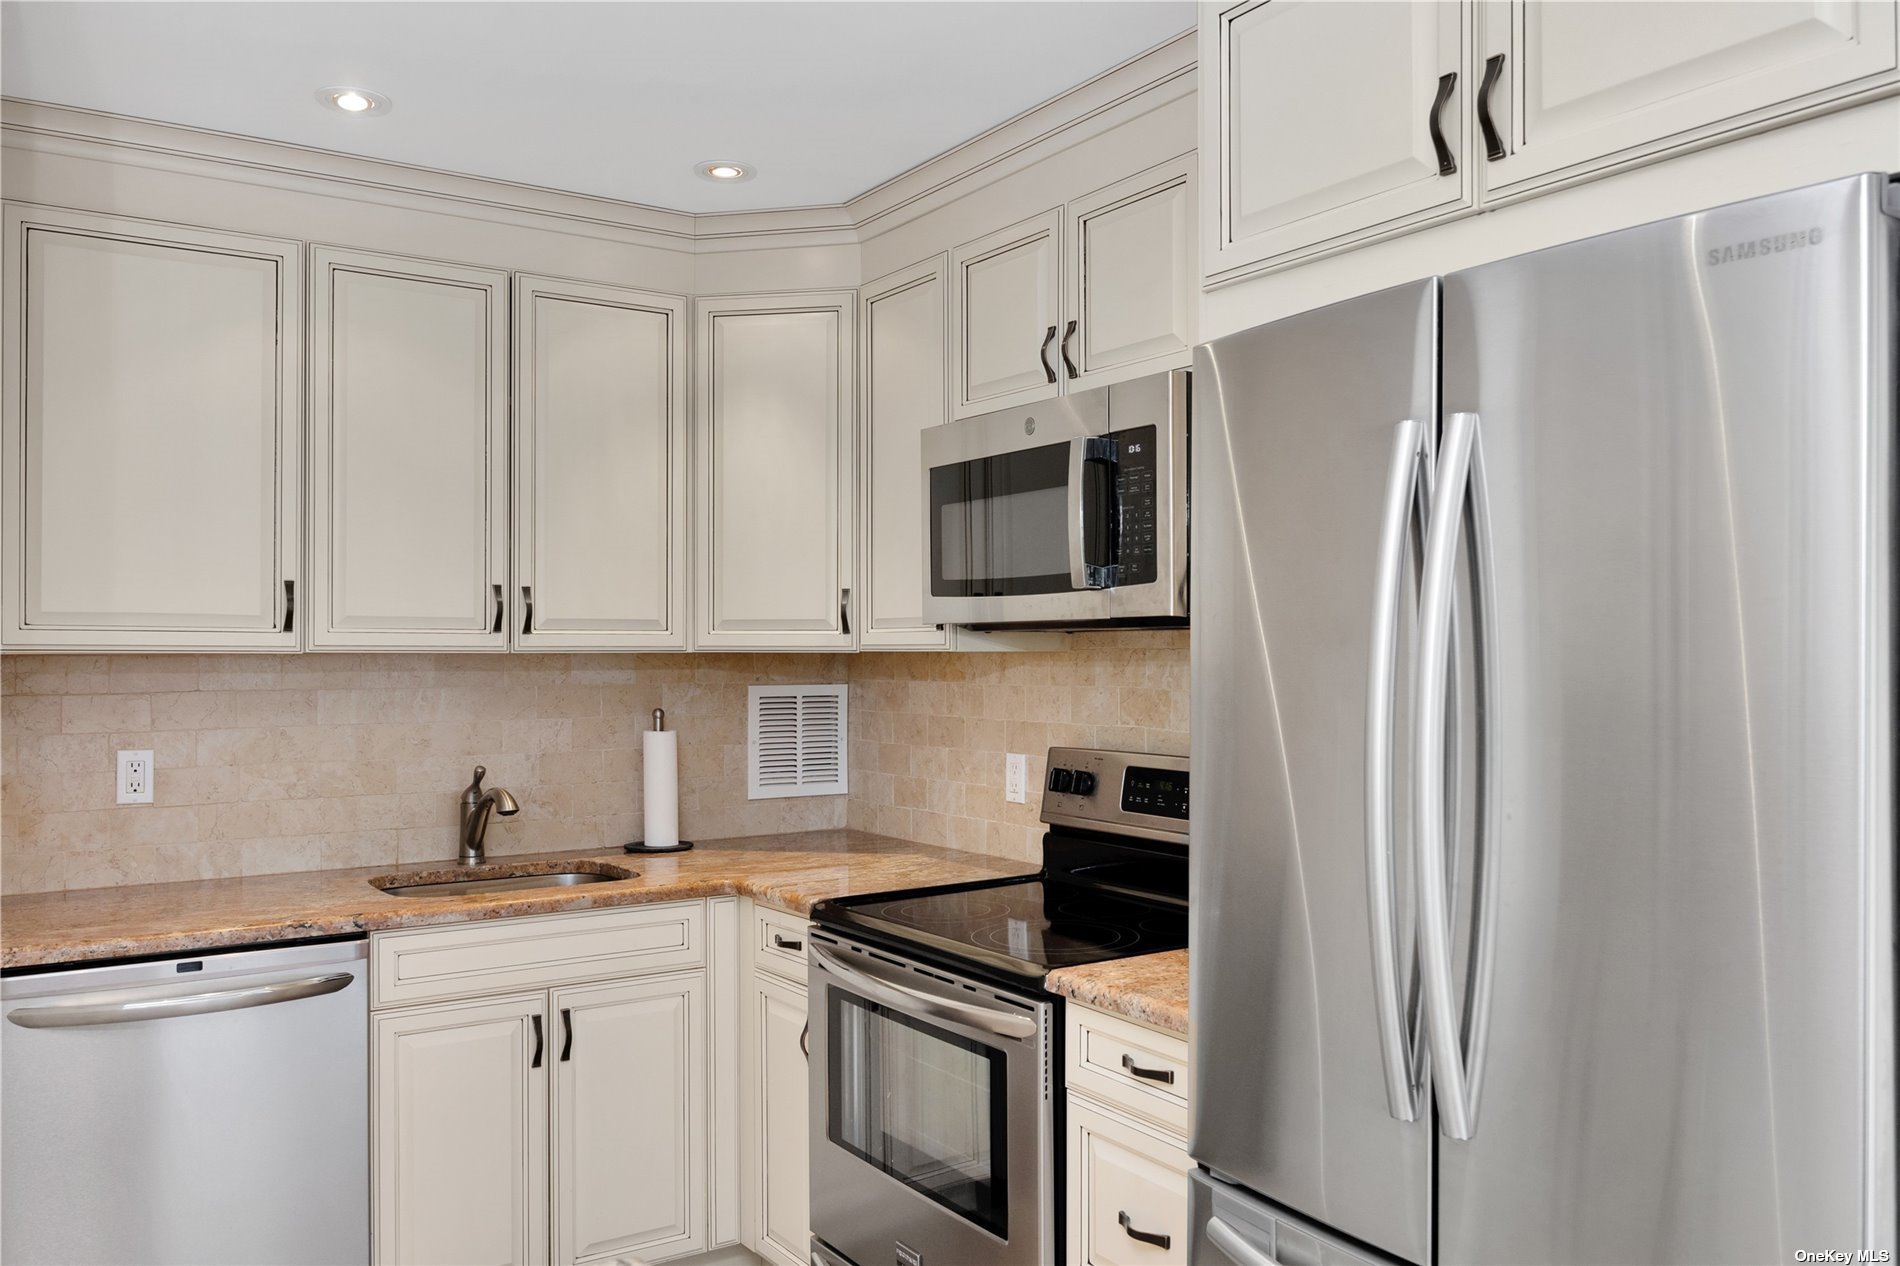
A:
(1408, 484)
(1457, 1043)
(1229, 1241)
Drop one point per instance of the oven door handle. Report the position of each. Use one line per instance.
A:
(890, 992)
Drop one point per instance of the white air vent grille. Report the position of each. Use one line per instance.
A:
(795, 741)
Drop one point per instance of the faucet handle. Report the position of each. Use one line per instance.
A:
(474, 789)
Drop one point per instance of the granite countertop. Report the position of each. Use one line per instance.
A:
(789, 871)
(1152, 988)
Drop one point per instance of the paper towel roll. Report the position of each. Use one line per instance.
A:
(662, 776)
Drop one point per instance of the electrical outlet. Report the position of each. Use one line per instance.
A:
(1016, 778)
(135, 778)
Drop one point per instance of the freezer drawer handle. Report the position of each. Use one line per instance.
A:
(1228, 1241)
(125, 1012)
(1001, 1023)
(1163, 1075)
(1146, 1237)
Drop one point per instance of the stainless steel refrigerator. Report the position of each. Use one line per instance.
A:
(1543, 729)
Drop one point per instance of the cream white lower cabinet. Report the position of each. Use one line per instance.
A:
(1128, 1166)
(776, 1094)
(565, 1123)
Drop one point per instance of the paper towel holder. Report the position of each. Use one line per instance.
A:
(639, 846)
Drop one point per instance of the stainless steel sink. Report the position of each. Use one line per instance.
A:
(486, 879)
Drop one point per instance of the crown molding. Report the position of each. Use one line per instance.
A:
(1143, 82)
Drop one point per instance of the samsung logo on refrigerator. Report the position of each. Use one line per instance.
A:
(1756, 247)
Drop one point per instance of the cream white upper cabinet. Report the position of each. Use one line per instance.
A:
(1006, 299)
(600, 468)
(1326, 123)
(781, 1093)
(408, 444)
(1132, 284)
(901, 320)
(772, 444)
(1577, 86)
(629, 1166)
(151, 436)
(459, 1162)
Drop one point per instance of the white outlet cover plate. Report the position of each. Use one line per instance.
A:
(135, 777)
(1016, 778)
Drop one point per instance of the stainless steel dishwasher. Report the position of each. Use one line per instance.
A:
(201, 1110)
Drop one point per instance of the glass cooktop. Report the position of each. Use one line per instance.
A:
(1022, 926)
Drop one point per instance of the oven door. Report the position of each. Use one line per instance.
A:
(1019, 515)
(932, 1124)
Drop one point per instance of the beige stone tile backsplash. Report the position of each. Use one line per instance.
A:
(268, 763)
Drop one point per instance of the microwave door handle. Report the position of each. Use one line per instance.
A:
(891, 993)
(1084, 574)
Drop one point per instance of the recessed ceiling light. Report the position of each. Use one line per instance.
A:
(725, 170)
(354, 100)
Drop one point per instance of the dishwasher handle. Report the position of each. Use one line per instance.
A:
(125, 1011)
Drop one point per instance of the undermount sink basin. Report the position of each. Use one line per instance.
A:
(485, 879)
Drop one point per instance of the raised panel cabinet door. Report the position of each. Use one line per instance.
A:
(1324, 124)
(1580, 86)
(1006, 316)
(1128, 1192)
(151, 435)
(1133, 283)
(630, 1159)
(773, 443)
(905, 390)
(783, 1096)
(409, 454)
(460, 1102)
(599, 468)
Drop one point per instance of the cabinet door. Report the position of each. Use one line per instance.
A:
(1006, 315)
(905, 390)
(151, 435)
(630, 1119)
(1582, 86)
(780, 1102)
(1317, 124)
(1128, 1192)
(773, 444)
(599, 468)
(461, 1134)
(408, 442)
(1133, 285)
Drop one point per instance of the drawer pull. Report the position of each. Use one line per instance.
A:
(1163, 1075)
(779, 942)
(1146, 1237)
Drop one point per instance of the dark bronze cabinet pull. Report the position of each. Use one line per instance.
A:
(1068, 362)
(290, 605)
(1447, 165)
(1493, 142)
(1146, 1237)
(1163, 1075)
(779, 942)
(567, 1034)
(495, 626)
(1047, 339)
(536, 1061)
(527, 609)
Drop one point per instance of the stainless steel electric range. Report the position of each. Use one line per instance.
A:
(936, 1045)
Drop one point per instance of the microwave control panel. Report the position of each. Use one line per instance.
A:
(1136, 499)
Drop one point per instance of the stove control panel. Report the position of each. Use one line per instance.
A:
(1140, 793)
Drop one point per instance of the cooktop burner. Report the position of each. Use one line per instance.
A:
(1023, 926)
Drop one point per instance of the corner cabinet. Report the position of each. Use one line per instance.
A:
(901, 321)
(151, 436)
(408, 444)
(773, 448)
(600, 468)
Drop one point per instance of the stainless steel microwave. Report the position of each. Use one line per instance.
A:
(1071, 512)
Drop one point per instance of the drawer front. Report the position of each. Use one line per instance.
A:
(428, 964)
(1128, 1193)
(778, 943)
(1130, 1066)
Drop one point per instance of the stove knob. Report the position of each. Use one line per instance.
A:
(1061, 780)
(1084, 783)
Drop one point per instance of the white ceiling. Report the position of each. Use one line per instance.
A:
(619, 99)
